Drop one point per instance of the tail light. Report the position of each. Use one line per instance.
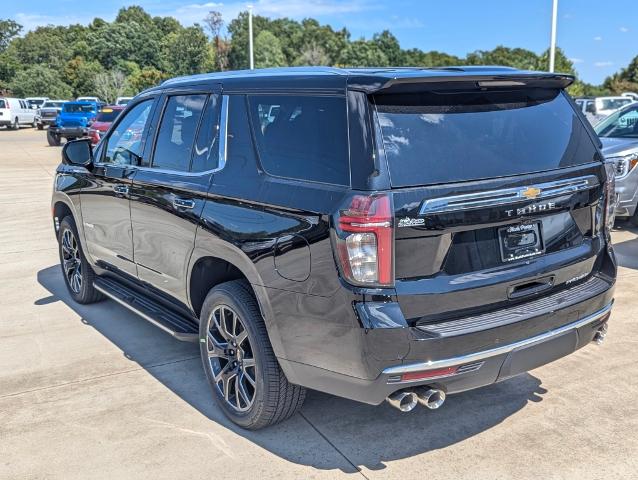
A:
(610, 196)
(364, 240)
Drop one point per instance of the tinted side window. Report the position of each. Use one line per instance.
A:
(176, 135)
(125, 143)
(302, 137)
(206, 154)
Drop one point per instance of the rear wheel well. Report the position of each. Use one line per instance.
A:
(207, 273)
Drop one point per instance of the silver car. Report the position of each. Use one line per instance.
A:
(619, 135)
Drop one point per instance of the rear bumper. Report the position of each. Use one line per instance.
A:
(478, 368)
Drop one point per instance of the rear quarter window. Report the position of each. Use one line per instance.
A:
(302, 137)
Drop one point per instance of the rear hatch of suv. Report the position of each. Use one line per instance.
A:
(498, 200)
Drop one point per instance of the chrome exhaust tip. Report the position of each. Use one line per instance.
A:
(403, 400)
(431, 398)
(600, 335)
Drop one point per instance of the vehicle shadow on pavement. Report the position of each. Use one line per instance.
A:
(364, 435)
(627, 251)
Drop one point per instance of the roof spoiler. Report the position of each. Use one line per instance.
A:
(413, 83)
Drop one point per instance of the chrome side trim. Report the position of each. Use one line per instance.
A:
(493, 352)
(507, 195)
(223, 132)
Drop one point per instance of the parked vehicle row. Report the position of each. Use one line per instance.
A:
(289, 222)
(597, 108)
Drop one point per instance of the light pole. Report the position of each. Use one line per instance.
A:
(552, 41)
(250, 36)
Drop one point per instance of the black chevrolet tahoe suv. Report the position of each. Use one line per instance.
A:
(394, 234)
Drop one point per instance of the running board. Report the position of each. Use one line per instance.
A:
(173, 323)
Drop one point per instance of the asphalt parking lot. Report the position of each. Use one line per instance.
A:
(96, 392)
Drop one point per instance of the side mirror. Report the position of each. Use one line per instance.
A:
(78, 152)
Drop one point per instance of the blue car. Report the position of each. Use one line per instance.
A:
(72, 122)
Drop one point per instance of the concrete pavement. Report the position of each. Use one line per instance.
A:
(96, 392)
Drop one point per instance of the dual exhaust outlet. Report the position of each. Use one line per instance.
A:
(406, 400)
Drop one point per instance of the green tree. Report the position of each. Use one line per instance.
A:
(146, 78)
(268, 51)
(187, 51)
(562, 64)
(8, 31)
(114, 42)
(389, 45)
(43, 46)
(509, 57)
(362, 53)
(39, 80)
(80, 75)
(135, 14)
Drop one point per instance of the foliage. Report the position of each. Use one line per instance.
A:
(110, 85)
(36, 79)
(268, 51)
(187, 51)
(362, 53)
(8, 31)
(141, 51)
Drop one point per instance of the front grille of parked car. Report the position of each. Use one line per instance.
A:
(49, 114)
(72, 123)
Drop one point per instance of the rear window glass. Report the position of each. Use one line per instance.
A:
(2, 104)
(78, 108)
(302, 137)
(434, 138)
(108, 115)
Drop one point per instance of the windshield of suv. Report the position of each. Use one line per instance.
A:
(438, 137)
(52, 104)
(35, 103)
(621, 124)
(78, 108)
(614, 103)
(108, 115)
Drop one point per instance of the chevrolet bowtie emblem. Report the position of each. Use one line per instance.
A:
(531, 193)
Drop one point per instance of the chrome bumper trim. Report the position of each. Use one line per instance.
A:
(493, 352)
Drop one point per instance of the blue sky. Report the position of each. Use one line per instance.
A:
(599, 36)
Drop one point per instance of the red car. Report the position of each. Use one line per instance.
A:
(103, 121)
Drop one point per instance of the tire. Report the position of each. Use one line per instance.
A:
(634, 218)
(40, 126)
(76, 270)
(34, 124)
(53, 139)
(16, 124)
(274, 399)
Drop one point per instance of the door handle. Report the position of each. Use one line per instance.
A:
(121, 189)
(183, 203)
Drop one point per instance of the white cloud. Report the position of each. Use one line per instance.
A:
(298, 9)
(603, 64)
(32, 21)
(624, 29)
(576, 60)
(598, 38)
